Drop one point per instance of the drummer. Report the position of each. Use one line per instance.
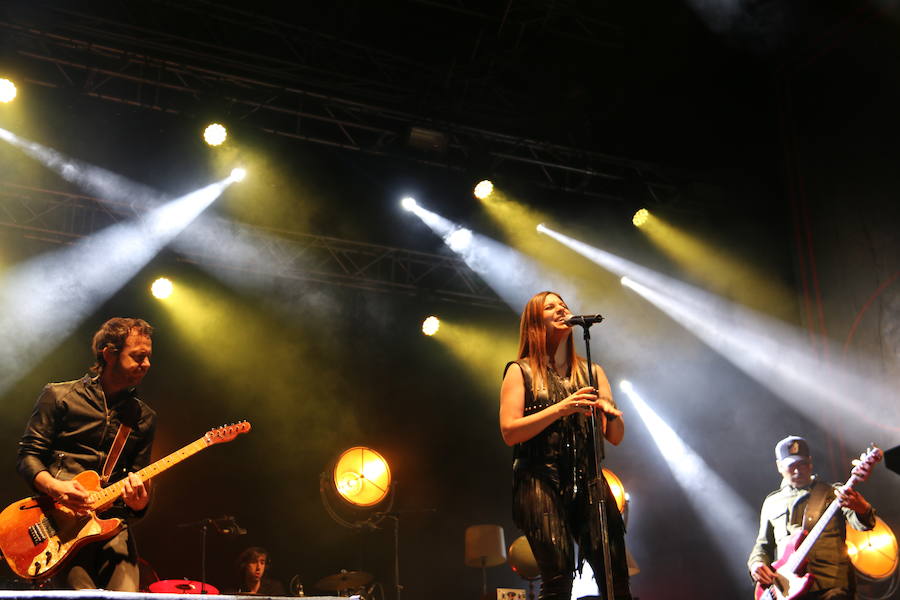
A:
(251, 566)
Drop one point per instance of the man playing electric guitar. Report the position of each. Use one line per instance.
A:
(72, 429)
(797, 505)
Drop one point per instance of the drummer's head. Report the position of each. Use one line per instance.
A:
(252, 562)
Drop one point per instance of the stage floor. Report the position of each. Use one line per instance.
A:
(105, 595)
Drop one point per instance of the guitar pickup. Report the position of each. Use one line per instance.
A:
(38, 533)
(41, 530)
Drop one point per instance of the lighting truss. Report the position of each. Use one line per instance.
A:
(60, 217)
(145, 66)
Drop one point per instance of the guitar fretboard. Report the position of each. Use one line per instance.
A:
(109, 494)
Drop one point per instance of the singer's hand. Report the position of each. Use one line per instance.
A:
(583, 401)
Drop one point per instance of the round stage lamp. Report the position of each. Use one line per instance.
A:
(215, 134)
(7, 90)
(162, 288)
(431, 325)
(618, 490)
(873, 553)
(362, 476)
(640, 217)
(484, 189)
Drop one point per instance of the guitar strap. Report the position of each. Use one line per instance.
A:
(114, 451)
(815, 505)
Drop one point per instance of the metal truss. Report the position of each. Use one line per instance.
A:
(371, 101)
(62, 218)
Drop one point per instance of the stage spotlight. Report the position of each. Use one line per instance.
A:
(362, 476)
(238, 174)
(215, 134)
(873, 552)
(625, 386)
(541, 228)
(408, 204)
(431, 325)
(640, 217)
(7, 90)
(162, 288)
(484, 189)
(617, 489)
(459, 239)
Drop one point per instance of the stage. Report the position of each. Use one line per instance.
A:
(105, 595)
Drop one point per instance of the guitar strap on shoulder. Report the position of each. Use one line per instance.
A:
(114, 451)
(816, 504)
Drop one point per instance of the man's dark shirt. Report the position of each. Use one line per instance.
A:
(72, 429)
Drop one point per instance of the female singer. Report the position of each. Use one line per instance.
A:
(545, 400)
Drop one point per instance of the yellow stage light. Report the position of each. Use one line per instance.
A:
(162, 288)
(362, 476)
(640, 217)
(618, 490)
(215, 134)
(7, 90)
(483, 189)
(238, 174)
(431, 325)
(874, 552)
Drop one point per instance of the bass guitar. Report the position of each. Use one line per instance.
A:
(38, 535)
(791, 581)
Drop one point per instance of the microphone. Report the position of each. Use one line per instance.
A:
(583, 320)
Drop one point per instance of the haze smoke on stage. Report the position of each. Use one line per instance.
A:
(717, 505)
(91, 179)
(512, 275)
(776, 355)
(43, 300)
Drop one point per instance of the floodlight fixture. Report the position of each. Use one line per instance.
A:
(7, 90)
(409, 203)
(541, 228)
(640, 217)
(431, 325)
(215, 134)
(162, 288)
(617, 489)
(484, 189)
(874, 552)
(238, 174)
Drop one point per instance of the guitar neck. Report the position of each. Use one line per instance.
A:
(109, 494)
(809, 541)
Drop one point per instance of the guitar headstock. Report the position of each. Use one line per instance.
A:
(226, 433)
(866, 461)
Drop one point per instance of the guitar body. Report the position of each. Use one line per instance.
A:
(37, 535)
(788, 584)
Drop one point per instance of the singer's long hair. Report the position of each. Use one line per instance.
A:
(533, 342)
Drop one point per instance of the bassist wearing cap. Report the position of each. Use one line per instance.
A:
(803, 529)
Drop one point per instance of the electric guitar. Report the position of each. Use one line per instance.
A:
(38, 535)
(790, 580)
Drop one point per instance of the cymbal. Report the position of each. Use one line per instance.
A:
(181, 586)
(344, 580)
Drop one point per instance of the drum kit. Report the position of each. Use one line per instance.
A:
(182, 586)
(348, 583)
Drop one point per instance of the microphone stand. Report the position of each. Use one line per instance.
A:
(596, 496)
(231, 528)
